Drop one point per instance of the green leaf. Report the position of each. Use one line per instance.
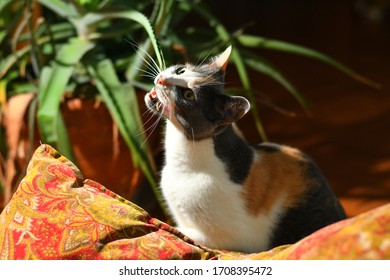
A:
(89, 4)
(260, 42)
(3, 34)
(22, 87)
(261, 65)
(31, 120)
(164, 15)
(115, 97)
(59, 7)
(52, 86)
(243, 74)
(140, 61)
(63, 144)
(9, 61)
(91, 19)
(123, 107)
(4, 4)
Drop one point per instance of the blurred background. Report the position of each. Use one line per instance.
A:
(344, 126)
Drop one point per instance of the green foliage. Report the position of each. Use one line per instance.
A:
(53, 83)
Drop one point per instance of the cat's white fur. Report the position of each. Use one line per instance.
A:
(206, 205)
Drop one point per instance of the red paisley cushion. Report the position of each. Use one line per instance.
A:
(56, 214)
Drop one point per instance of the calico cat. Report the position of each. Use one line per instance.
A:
(222, 192)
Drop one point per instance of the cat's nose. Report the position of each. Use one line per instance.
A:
(161, 81)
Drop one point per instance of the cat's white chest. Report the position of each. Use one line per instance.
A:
(206, 205)
(194, 180)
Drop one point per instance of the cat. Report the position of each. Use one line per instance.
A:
(222, 192)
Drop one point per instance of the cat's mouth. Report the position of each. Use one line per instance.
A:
(152, 100)
(156, 102)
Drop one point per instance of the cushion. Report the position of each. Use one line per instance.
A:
(57, 214)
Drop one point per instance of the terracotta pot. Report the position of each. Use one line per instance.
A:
(102, 154)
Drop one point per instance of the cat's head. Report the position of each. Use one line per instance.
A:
(192, 97)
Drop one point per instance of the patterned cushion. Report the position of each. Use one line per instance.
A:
(56, 214)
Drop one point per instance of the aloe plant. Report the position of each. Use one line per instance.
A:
(82, 43)
(59, 50)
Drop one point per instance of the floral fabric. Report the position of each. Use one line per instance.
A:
(56, 214)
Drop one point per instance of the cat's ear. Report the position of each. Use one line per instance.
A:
(236, 107)
(222, 60)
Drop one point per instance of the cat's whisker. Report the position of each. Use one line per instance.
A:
(142, 53)
(215, 83)
(193, 141)
(205, 58)
(150, 74)
(148, 112)
(154, 70)
(266, 100)
(152, 63)
(152, 128)
(151, 117)
(142, 130)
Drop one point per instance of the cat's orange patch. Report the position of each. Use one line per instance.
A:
(274, 175)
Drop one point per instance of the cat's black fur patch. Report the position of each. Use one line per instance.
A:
(198, 118)
(234, 153)
(318, 208)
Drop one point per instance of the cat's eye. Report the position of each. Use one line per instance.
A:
(180, 70)
(189, 95)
